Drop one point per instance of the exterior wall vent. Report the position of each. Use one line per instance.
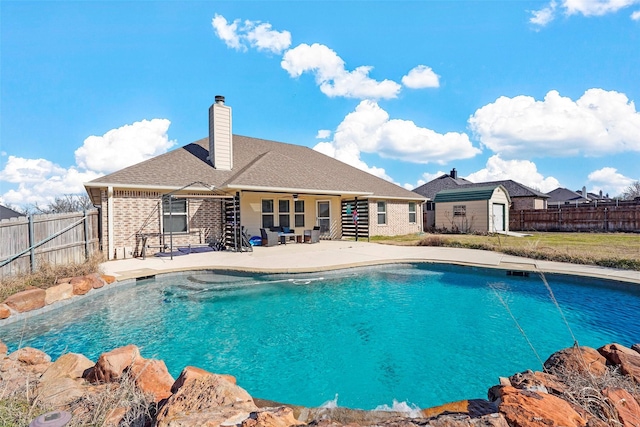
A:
(220, 140)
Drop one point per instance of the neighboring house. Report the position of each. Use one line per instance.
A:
(522, 197)
(473, 209)
(216, 186)
(564, 196)
(6, 213)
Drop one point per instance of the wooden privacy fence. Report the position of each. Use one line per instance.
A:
(609, 217)
(26, 242)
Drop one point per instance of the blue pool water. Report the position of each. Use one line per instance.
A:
(416, 333)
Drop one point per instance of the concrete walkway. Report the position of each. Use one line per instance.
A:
(328, 255)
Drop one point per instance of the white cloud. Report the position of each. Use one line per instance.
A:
(636, 15)
(331, 75)
(18, 169)
(255, 34)
(522, 171)
(368, 129)
(124, 146)
(227, 32)
(323, 134)
(543, 16)
(583, 7)
(426, 177)
(421, 77)
(595, 7)
(598, 123)
(39, 181)
(609, 181)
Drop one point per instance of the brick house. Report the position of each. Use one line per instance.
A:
(212, 188)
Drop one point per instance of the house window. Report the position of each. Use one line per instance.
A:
(267, 213)
(382, 212)
(299, 215)
(412, 212)
(174, 216)
(283, 213)
(459, 210)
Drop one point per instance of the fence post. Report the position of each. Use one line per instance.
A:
(32, 255)
(86, 236)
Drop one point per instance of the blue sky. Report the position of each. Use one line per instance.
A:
(543, 92)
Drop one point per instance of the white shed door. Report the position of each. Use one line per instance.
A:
(498, 217)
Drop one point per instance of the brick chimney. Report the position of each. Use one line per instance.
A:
(220, 139)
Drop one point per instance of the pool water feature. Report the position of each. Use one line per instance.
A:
(422, 334)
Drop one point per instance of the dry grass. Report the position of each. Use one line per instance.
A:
(47, 275)
(616, 250)
(93, 409)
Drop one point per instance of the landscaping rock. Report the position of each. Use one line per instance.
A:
(81, 285)
(152, 377)
(115, 417)
(626, 406)
(531, 409)
(58, 293)
(208, 401)
(70, 365)
(577, 360)
(276, 417)
(108, 279)
(63, 280)
(536, 381)
(474, 408)
(28, 300)
(636, 347)
(96, 281)
(5, 311)
(111, 365)
(626, 358)
(190, 373)
(3, 350)
(30, 356)
(58, 392)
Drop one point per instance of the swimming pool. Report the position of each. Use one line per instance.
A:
(423, 334)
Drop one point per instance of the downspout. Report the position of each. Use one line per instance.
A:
(110, 247)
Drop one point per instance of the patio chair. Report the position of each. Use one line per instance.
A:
(269, 238)
(312, 236)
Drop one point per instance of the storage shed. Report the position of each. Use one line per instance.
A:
(478, 209)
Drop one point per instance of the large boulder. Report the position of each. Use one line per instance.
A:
(152, 377)
(274, 417)
(626, 358)
(524, 408)
(209, 400)
(81, 285)
(58, 293)
(30, 356)
(108, 279)
(111, 365)
(190, 373)
(627, 407)
(5, 311)
(28, 300)
(96, 281)
(537, 381)
(474, 408)
(60, 391)
(577, 360)
(70, 365)
(3, 350)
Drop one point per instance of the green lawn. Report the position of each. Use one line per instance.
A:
(618, 250)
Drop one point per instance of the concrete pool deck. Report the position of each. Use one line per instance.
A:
(335, 254)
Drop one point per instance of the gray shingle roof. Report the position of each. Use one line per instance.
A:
(6, 213)
(561, 195)
(431, 188)
(515, 189)
(256, 163)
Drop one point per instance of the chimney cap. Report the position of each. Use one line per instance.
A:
(219, 99)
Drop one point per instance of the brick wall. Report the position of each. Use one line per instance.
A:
(397, 219)
(140, 212)
(523, 203)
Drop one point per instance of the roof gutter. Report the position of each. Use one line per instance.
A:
(145, 187)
